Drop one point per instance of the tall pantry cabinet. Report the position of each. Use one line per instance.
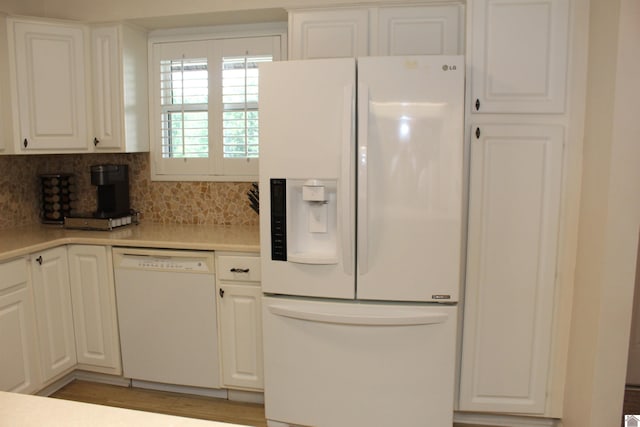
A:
(517, 54)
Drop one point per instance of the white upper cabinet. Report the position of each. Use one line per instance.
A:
(514, 212)
(50, 95)
(5, 100)
(376, 31)
(420, 30)
(120, 96)
(335, 33)
(519, 55)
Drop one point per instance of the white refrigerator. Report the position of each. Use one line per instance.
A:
(361, 170)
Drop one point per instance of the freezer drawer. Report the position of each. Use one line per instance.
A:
(332, 364)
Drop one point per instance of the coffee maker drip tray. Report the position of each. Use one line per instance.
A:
(90, 222)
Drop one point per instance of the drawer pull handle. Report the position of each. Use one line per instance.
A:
(221, 292)
(239, 270)
(39, 259)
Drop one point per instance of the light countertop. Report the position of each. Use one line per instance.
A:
(23, 240)
(19, 410)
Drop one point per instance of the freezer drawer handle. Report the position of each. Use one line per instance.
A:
(360, 319)
(239, 270)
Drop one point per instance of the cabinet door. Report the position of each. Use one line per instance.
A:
(94, 309)
(19, 367)
(5, 104)
(420, 30)
(241, 335)
(519, 55)
(50, 81)
(120, 95)
(50, 275)
(107, 81)
(336, 33)
(515, 188)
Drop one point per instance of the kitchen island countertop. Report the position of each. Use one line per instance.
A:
(19, 241)
(35, 411)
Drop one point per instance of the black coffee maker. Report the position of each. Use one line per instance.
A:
(112, 183)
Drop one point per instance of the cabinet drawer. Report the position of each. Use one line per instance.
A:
(13, 273)
(240, 268)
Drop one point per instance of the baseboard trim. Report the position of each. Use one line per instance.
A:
(210, 392)
(503, 420)
(102, 378)
(246, 396)
(56, 385)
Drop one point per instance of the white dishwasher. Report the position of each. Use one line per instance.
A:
(167, 316)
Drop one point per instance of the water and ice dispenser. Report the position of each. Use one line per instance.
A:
(304, 225)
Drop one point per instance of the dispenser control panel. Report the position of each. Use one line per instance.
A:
(278, 219)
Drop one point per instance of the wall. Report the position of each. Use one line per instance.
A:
(166, 202)
(609, 219)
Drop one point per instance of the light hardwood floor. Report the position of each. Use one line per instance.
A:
(184, 405)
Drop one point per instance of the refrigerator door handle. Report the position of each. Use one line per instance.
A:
(363, 214)
(347, 179)
(369, 319)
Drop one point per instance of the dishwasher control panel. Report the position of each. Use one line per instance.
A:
(149, 262)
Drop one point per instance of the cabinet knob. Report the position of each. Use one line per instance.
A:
(221, 292)
(239, 270)
(39, 259)
(478, 133)
(25, 143)
(477, 105)
(96, 141)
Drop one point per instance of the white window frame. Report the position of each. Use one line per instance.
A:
(215, 44)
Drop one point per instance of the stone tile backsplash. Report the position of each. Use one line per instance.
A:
(221, 203)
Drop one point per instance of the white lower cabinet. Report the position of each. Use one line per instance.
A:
(514, 208)
(18, 348)
(94, 308)
(240, 321)
(50, 275)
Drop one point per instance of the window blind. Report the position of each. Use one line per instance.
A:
(240, 105)
(184, 98)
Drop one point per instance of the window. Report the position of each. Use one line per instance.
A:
(184, 97)
(206, 121)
